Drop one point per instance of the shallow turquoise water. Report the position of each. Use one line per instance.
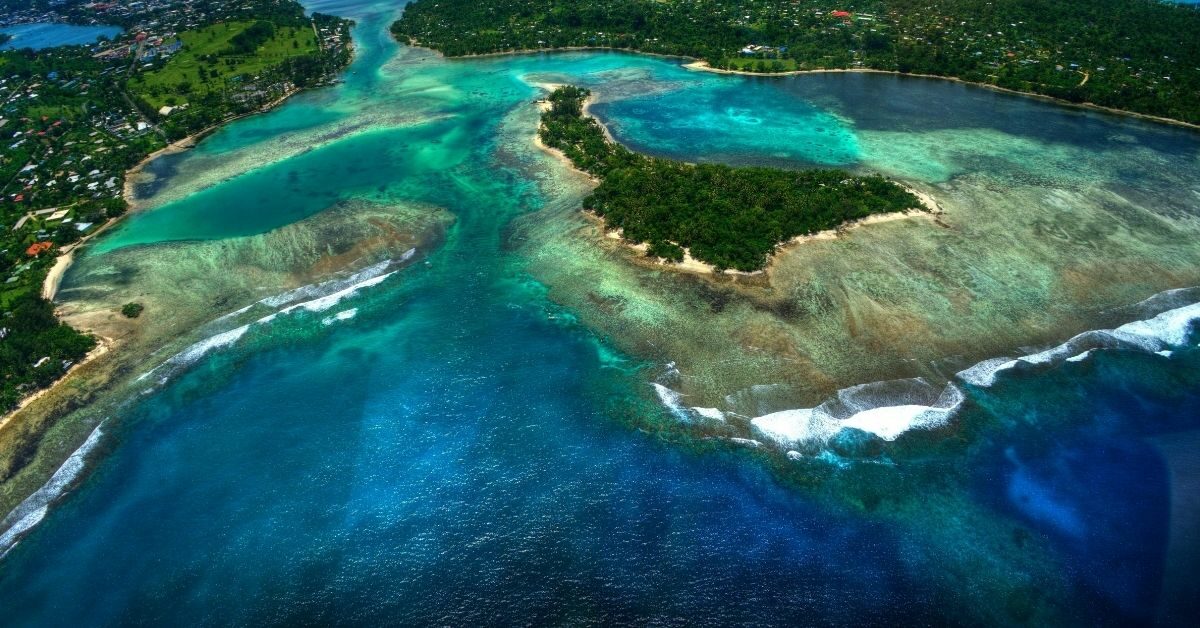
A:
(38, 36)
(460, 451)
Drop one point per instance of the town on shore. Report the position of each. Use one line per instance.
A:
(75, 119)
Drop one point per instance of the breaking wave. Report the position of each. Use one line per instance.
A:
(317, 297)
(885, 409)
(344, 315)
(31, 511)
(1161, 334)
(312, 298)
(315, 290)
(889, 409)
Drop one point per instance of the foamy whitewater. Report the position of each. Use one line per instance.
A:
(31, 511)
(320, 297)
(1169, 330)
(885, 414)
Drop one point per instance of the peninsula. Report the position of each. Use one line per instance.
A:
(1140, 56)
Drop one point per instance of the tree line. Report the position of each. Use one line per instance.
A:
(1138, 55)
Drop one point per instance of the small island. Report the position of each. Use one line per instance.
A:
(729, 218)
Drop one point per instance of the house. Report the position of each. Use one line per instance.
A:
(37, 248)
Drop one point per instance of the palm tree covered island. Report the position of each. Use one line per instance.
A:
(730, 218)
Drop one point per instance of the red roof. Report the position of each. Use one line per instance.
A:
(37, 247)
(840, 13)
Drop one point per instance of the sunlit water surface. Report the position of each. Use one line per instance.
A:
(464, 441)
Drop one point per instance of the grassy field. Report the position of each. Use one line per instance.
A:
(201, 66)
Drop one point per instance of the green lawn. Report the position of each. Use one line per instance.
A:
(56, 111)
(181, 78)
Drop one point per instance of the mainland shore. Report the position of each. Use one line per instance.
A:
(66, 255)
(39, 412)
(700, 65)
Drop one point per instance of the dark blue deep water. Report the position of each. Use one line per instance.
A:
(458, 450)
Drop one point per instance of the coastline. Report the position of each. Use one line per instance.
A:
(700, 65)
(52, 281)
(694, 266)
(544, 105)
(187, 143)
(37, 420)
(103, 346)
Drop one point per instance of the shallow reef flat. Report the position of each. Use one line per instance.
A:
(1043, 234)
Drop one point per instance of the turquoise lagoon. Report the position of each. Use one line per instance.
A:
(469, 433)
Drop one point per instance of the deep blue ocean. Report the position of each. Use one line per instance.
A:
(454, 447)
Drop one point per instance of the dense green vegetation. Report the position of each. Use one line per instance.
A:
(214, 59)
(35, 349)
(132, 310)
(732, 218)
(249, 40)
(1138, 55)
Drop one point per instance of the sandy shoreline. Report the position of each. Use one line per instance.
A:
(55, 275)
(103, 346)
(544, 105)
(695, 266)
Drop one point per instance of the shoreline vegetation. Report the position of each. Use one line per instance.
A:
(709, 218)
(1135, 57)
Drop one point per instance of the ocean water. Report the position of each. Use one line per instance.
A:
(38, 36)
(466, 432)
